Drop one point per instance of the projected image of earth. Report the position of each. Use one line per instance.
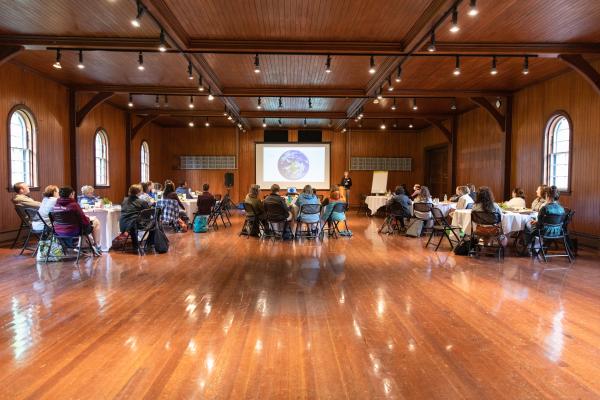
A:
(293, 165)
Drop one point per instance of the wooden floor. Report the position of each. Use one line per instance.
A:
(362, 318)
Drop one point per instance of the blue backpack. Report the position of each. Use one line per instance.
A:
(200, 224)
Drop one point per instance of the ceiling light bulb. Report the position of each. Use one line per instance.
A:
(414, 105)
(210, 95)
(431, 47)
(190, 71)
(191, 105)
(136, 22)
(256, 64)
(200, 84)
(382, 126)
(141, 61)
(191, 124)
(457, 67)
(394, 105)
(399, 74)
(130, 103)
(344, 129)
(372, 65)
(453, 106)
(57, 63)
(328, 64)
(162, 47)
(473, 11)
(390, 86)
(229, 117)
(526, 66)
(494, 70)
(279, 122)
(411, 125)
(80, 64)
(375, 100)
(454, 25)
(264, 124)
(258, 105)
(207, 124)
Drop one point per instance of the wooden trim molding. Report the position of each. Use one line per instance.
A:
(440, 125)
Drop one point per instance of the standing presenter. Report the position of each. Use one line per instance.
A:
(346, 183)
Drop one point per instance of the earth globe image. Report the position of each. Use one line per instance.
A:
(293, 165)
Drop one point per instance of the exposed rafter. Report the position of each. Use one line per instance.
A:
(487, 106)
(94, 102)
(440, 125)
(539, 49)
(584, 68)
(145, 121)
(8, 52)
(41, 42)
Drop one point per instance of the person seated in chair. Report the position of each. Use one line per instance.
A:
(254, 201)
(423, 197)
(307, 197)
(550, 207)
(277, 205)
(22, 196)
(517, 200)
(130, 209)
(328, 210)
(485, 203)
(541, 194)
(184, 189)
(205, 201)
(400, 197)
(148, 194)
(87, 197)
(48, 202)
(416, 191)
(66, 202)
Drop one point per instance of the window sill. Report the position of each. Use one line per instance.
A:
(101, 186)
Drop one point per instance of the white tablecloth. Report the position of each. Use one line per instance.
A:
(375, 202)
(109, 224)
(445, 207)
(511, 222)
(191, 206)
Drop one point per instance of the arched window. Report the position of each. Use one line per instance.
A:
(101, 158)
(557, 152)
(145, 161)
(23, 158)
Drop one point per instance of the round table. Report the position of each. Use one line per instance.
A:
(374, 203)
(511, 221)
(109, 224)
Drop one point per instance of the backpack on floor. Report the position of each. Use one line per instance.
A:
(200, 224)
(161, 242)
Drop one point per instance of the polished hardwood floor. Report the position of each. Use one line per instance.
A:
(222, 317)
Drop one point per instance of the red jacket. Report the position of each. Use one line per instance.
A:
(70, 204)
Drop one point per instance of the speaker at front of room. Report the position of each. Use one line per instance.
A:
(228, 179)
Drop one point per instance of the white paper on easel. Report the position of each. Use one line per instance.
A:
(379, 184)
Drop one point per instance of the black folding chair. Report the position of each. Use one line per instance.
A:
(362, 207)
(394, 219)
(312, 228)
(276, 221)
(422, 212)
(572, 242)
(491, 222)
(331, 226)
(25, 224)
(70, 219)
(550, 228)
(33, 215)
(146, 222)
(251, 222)
(442, 227)
(216, 213)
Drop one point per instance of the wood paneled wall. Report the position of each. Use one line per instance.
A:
(428, 138)
(47, 100)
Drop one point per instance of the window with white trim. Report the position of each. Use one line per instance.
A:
(23, 158)
(557, 152)
(145, 161)
(101, 158)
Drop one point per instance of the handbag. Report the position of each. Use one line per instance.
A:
(463, 248)
(119, 242)
(52, 248)
(415, 228)
(161, 242)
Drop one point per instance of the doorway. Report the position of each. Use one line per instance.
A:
(436, 171)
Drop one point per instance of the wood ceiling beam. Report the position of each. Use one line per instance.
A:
(178, 113)
(293, 92)
(293, 114)
(8, 52)
(397, 115)
(584, 68)
(440, 125)
(540, 49)
(94, 102)
(41, 42)
(487, 106)
(145, 121)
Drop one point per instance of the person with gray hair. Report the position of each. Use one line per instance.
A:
(307, 197)
(87, 196)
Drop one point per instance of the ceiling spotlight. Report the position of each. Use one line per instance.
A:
(141, 61)
(431, 47)
(394, 105)
(229, 117)
(344, 129)
(279, 122)
(239, 125)
(390, 86)
(256, 64)
(414, 105)
(395, 123)
(225, 113)
(57, 64)
(526, 65)
(410, 125)
(328, 64)
(210, 95)
(379, 94)
(453, 105)
(259, 104)
(382, 126)
(309, 102)
(375, 100)
(162, 46)
(190, 71)
(200, 84)
(372, 65)
(399, 74)
(166, 101)
(80, 64)
(329, 124)
(136, 22)
(494, 70)
(280, 102)
(305, 122)
(454, 25)
(130, 103)
(191, 124)
(264, 124)
(457, 66)
(498, 102)
(361, 114)
(191, 104)
(207, 124)
(157, 102)
(473, 11)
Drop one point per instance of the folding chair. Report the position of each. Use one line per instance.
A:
(70, 219)
(274, 219)
(331, 226)
(394, 219)
(33, 215)
(145, 222)
(490, 221)
(550, 228)
(251, 223)
(307, 210)
(440, 225)
(362, 207)
(422, 212)
(572, 242)
(25, 224)
(216, 213)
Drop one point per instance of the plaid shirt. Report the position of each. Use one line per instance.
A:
(170, 210)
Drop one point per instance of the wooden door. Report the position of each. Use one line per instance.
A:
(436, 171)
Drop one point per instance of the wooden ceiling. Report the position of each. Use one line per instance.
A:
(293, 39)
